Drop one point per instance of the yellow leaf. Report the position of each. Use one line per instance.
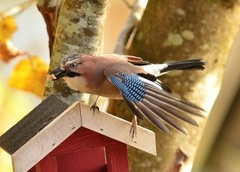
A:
(8, 51)
(7, 28)
(30, 75)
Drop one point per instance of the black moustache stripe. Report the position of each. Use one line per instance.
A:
(72, 74)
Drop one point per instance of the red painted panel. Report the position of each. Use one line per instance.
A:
(84, 151)
(82, 139)
(33, 169)
(91, 160)
(117, 159)
(48, 164)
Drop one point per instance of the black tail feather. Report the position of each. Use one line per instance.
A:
(195, 64)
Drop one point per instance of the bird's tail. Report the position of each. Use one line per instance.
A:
(160, 69)
(194, 64)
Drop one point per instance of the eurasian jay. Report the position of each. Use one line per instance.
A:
(134, 80)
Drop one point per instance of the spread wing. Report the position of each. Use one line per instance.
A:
(147, 99)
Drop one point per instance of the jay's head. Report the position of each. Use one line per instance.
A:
(69, 67)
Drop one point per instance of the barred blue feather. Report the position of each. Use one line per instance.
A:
(130, 85)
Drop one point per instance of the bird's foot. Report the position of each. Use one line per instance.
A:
(133, 129)
(94, 108)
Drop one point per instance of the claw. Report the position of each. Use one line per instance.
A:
(94, 107)
(133, 129)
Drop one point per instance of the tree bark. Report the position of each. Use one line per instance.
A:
(177, 30)
(79, 30)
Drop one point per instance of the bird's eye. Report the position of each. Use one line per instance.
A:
(73, 65)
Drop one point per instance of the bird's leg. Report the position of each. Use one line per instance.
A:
(94, 107)
(133, 129)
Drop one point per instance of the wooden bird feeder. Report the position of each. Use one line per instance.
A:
(56, 137)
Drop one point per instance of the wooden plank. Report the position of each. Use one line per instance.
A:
(118, 129)
(117, 157)
(46, 140)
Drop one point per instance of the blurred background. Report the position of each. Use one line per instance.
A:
(220, 147)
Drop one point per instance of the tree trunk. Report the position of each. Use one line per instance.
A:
(177, 30)
(79, 30)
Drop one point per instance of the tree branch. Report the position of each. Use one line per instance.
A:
(129, 29)
(49, 11)
(79, 30)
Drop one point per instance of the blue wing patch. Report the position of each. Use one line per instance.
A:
(130, 85)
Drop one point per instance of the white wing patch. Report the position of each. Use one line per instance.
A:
(155, 69)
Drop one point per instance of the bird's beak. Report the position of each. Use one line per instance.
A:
(58, 73)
